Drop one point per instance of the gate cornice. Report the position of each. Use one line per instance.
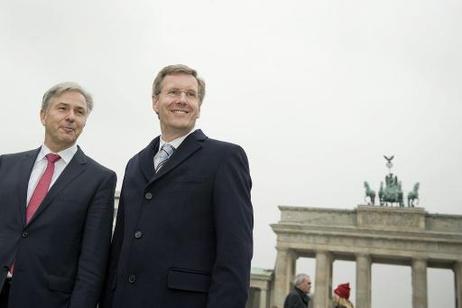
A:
(388, 235)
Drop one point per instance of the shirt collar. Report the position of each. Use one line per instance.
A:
(66, 154)
(175, 142)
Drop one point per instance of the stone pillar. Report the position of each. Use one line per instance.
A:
(292, 260)
(323, 279)
(458, 283)
(283, 275)
(363, 281)
(263, 297)
(419, 283)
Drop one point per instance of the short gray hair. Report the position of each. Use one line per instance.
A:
(62, 87)
(298, 280)
(177, 69)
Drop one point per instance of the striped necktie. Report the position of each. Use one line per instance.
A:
(163, 155)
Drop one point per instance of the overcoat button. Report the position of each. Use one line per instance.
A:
(138, 234)
(148, 196)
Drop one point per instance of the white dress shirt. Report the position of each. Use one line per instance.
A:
(41, 164)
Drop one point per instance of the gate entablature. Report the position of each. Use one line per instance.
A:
(385, 232)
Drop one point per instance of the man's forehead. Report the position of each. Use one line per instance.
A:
(74, 98)
(70, 93)
(180, 78)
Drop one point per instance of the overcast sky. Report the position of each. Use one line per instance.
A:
(315, 91)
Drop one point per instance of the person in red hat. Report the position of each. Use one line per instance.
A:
(341, 296)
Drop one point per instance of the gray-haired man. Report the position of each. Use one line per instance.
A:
(56, 208)
(299, 296)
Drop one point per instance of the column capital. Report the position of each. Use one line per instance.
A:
(293, 254)
(324, 252)
(282, 249)
(363, 255)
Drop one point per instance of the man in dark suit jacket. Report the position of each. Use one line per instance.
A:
(183, 236)
(55, 256)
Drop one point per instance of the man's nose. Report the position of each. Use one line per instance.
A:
(183, 98)
(70, 116)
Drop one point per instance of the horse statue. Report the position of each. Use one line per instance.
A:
(392, 193)
(369, 193)
(381, 193)
(413, 196)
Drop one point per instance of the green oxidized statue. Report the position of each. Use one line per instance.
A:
(369, 194)
(391, 193)
(413, 196)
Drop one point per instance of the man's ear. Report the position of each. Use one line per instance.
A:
(198, 112)
(155, 105)
(43, 115)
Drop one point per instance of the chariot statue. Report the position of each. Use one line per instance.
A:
(391, 193)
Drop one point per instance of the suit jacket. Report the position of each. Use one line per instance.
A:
(183, 236)
(60, 255)
(297, 299)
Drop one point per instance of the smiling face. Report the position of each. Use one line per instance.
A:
(177, 105)
(64, 119)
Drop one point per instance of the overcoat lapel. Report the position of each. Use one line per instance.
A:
(188, 147)
(24, 176)
(75, 167)
(146, 160)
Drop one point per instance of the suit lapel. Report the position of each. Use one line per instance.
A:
(75, 167)
(24, 176)
(188, 147)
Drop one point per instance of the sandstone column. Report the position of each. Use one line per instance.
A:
(283, 275)
(419, 283)
(292, 260)
(363, 281)
(323, 279)
(263, 297)
(458, 283)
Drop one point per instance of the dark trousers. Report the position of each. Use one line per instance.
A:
(5, 293)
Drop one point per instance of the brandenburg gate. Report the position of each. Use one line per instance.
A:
(368, 234)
